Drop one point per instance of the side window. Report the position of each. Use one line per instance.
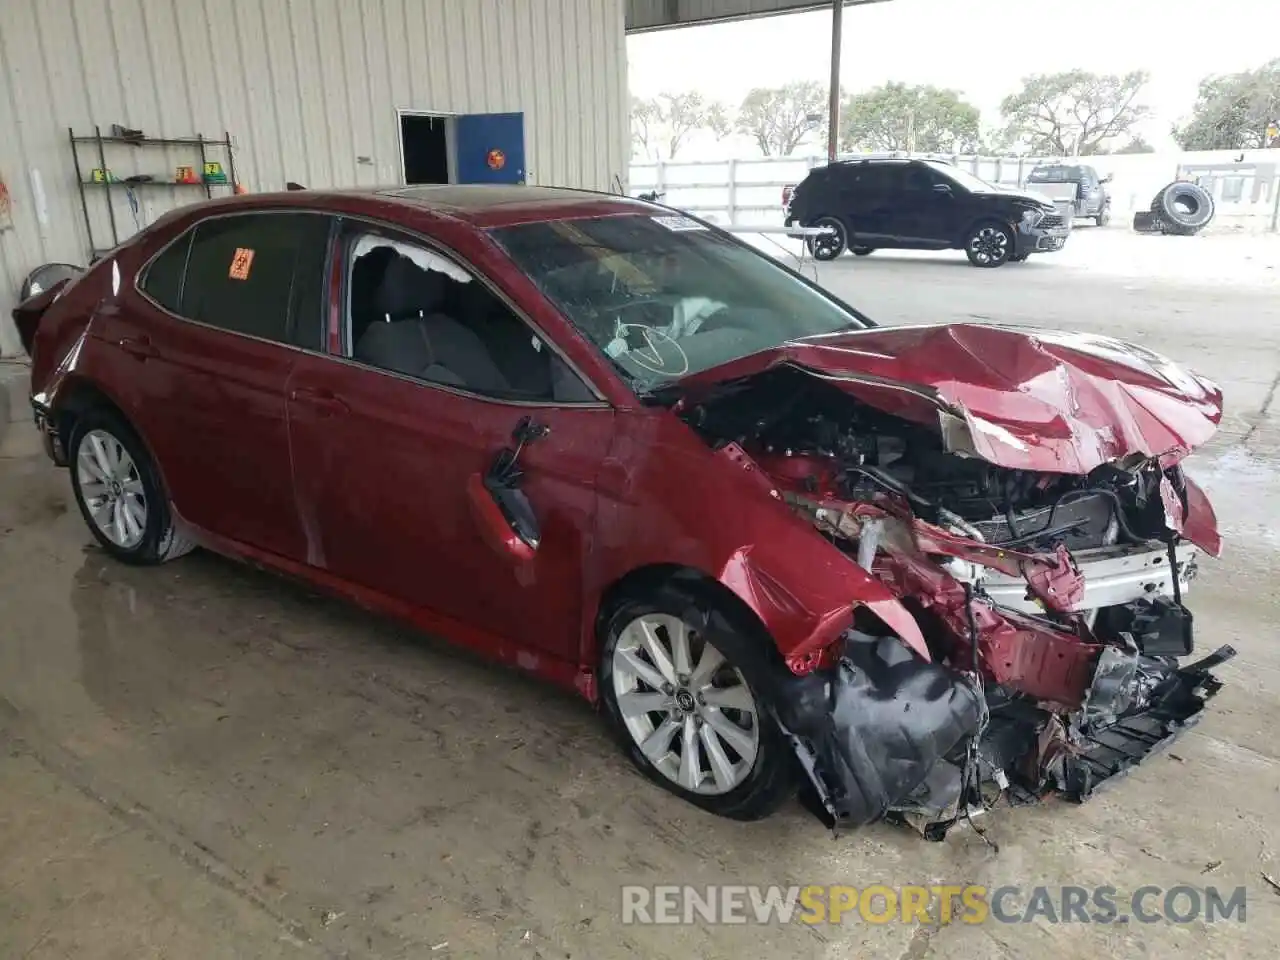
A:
(413, 311)
(880, 178)
(163, 280)
(918, 180)
(259, 274)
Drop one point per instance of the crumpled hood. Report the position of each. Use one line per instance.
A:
(1022, 398)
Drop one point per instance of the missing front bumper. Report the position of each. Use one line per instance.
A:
(884, 734)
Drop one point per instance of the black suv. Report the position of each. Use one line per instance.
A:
(922, 205)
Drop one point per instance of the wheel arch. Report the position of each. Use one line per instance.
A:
(975, 222)
(77, 395)
(698, 585)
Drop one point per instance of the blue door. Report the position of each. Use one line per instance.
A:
(490, 148)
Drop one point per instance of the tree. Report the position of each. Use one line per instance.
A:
(898, 117)
(661, 125)
(1076, 112)
(779, 118)
(1137, 145)
(1233, 111)
(644, 127)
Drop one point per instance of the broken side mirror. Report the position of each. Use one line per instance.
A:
(498, 505)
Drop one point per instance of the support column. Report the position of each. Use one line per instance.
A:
(833, 120)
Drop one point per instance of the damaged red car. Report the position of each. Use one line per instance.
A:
(907, 569)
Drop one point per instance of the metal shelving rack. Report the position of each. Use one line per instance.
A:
(199, 143)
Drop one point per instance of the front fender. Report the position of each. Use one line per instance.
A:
(667, 500)
(807, 613)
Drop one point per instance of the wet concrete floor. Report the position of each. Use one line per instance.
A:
(203, 760)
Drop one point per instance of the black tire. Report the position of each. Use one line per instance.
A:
(828, 248)
(1184, 205)
(863, 251)
(989, 244)
(1103, 217)
(160, 540)
(772, 778)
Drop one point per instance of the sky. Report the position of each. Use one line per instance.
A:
(979, 47)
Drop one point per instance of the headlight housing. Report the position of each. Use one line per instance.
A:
(1031, 217)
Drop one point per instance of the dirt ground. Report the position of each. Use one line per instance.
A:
(202, 760)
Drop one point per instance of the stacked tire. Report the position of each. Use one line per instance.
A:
(1180, 209)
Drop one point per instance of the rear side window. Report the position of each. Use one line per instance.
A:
(259, 274)
(163, 282)
(880, 177)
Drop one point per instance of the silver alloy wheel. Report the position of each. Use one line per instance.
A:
(989, 244)
(688, 709)
(112, 489)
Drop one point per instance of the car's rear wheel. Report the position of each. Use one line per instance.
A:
(119, 492)
(989, 245)
(682, 689)
(831, 245)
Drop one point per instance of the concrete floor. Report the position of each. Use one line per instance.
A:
(202, 760)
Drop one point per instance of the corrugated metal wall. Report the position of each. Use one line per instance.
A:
(307, 88)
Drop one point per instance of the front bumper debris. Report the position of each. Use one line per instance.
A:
(883, 734)
(871, 729)
(1110, 742)
(1041, 239)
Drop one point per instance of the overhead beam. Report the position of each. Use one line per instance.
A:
(644, 16)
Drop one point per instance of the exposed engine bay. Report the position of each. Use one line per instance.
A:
(1049, 608)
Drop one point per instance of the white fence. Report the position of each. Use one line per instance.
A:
(1245, 185)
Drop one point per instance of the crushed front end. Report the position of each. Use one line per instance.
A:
(1050, 607)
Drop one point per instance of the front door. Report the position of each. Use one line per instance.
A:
(490, 148)
(435, 373)
(927, 215)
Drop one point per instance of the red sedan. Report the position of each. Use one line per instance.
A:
(612, 445)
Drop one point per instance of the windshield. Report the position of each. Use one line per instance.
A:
(664, 296)
(967, 180)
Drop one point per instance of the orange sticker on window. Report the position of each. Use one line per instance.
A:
(241, 263)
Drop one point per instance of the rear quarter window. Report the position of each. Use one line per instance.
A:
(163, 280)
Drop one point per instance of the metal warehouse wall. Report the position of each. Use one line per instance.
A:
(306, 88)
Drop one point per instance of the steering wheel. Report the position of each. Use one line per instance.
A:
(659, 354)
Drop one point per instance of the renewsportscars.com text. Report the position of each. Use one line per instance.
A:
(934, 904)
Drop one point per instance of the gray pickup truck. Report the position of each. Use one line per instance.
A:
(1074, 188)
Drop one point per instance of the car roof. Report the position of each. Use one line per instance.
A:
(481, 205)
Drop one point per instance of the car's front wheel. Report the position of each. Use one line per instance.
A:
(830, 245)
(682, 689)
(989, 245)
(118, 490)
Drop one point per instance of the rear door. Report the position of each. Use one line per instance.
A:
(490, 148)
(222, 316)
(872, 191)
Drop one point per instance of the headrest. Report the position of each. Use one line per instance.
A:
(407, 290)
